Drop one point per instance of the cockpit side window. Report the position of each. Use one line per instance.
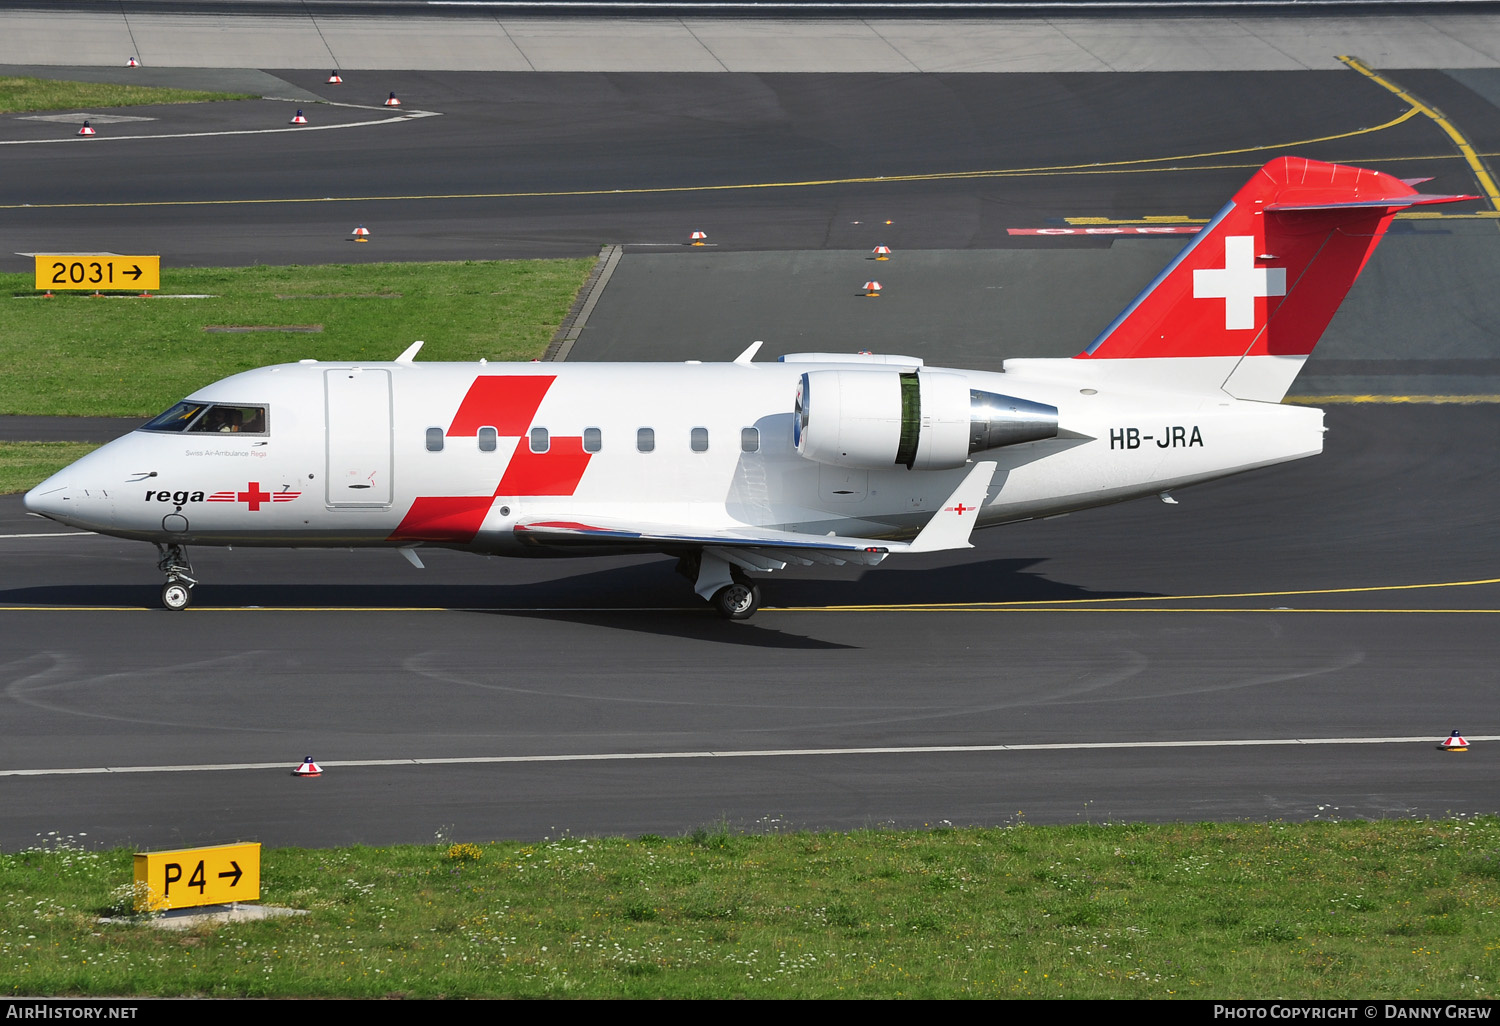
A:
(216, 418)
(224, 419)
(177, 418)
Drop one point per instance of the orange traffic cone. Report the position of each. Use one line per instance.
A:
(882, 252)
(308, 769)
(698, 238)
(872, 289)
(361, 234)
(334, 78)
(393, 102)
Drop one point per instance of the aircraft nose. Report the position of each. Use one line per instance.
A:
(49, 499)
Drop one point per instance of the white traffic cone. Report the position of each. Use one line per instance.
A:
(361, 234)
(882, 252)
(132, 63)
(393, 102)
(872, 289)
(300, 119)
(1455, 743)
(308, 769)
(87, 129)
(334, 78)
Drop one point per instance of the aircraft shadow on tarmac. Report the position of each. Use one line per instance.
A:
(642, 596)
(999, 580)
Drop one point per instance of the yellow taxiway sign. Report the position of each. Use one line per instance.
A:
(101, 272)
(196, 876)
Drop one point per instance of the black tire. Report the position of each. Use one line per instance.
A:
(737, 601)
(176, 595)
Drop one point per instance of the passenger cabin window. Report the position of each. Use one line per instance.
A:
(749, 439)
(487, 437)
(593, 440)
(645, 440)
(434, 439)
(211, 418)
(539, 440)
(700, 439)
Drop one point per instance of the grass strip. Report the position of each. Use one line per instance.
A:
(28, 94)
(122, 356)
(1390, 909)
(24, 464)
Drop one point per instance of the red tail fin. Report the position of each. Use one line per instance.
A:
(1264, 278)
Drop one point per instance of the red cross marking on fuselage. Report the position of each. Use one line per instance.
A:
(961, 509)
(254, 496)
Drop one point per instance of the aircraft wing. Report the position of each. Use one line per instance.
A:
(763, 549)
(753, 548)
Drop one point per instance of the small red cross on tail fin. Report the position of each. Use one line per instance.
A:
(1244, 304)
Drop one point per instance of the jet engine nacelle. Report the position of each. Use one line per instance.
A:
(919, 419)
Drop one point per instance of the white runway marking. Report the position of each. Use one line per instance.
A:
(769, 753)
(51, 534)
(405, 115)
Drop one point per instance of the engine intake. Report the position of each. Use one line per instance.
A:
(919, 419)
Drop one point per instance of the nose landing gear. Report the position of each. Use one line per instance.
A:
(178, 591)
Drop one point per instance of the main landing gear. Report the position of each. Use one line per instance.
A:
(178, 591)
(737, 601)
(724, 586)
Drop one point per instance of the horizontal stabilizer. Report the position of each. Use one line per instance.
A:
(1416, 199)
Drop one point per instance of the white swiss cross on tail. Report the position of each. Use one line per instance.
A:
(1239, 282)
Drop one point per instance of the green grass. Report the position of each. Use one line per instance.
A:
(27, 94)
(1396, 909)
(23, 464)
(78, 355)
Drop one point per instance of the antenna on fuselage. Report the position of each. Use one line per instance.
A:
(410, 355)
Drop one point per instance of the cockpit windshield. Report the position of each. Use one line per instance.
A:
(205, 418)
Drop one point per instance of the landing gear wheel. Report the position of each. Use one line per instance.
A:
(737, 601)
(176, 595)
(178, 591)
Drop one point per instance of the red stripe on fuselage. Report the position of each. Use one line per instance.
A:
(508, 403)
(554, 472)
(438, 519)
(505, 402)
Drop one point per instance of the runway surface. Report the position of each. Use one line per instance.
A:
(1340, 607)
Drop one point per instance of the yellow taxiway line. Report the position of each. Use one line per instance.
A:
(1479, 399)
(1139, 603)
(1476, 165)
(1101, 167)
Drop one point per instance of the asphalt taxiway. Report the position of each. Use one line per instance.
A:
(1287, 644)
(517, 164)
(1340, 608)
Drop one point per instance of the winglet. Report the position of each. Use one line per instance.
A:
(410, 355)
(951, 525)
(749, 354)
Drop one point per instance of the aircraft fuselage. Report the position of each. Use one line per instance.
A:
(459, 455)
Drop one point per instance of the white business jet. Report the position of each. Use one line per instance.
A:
(743, 468)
